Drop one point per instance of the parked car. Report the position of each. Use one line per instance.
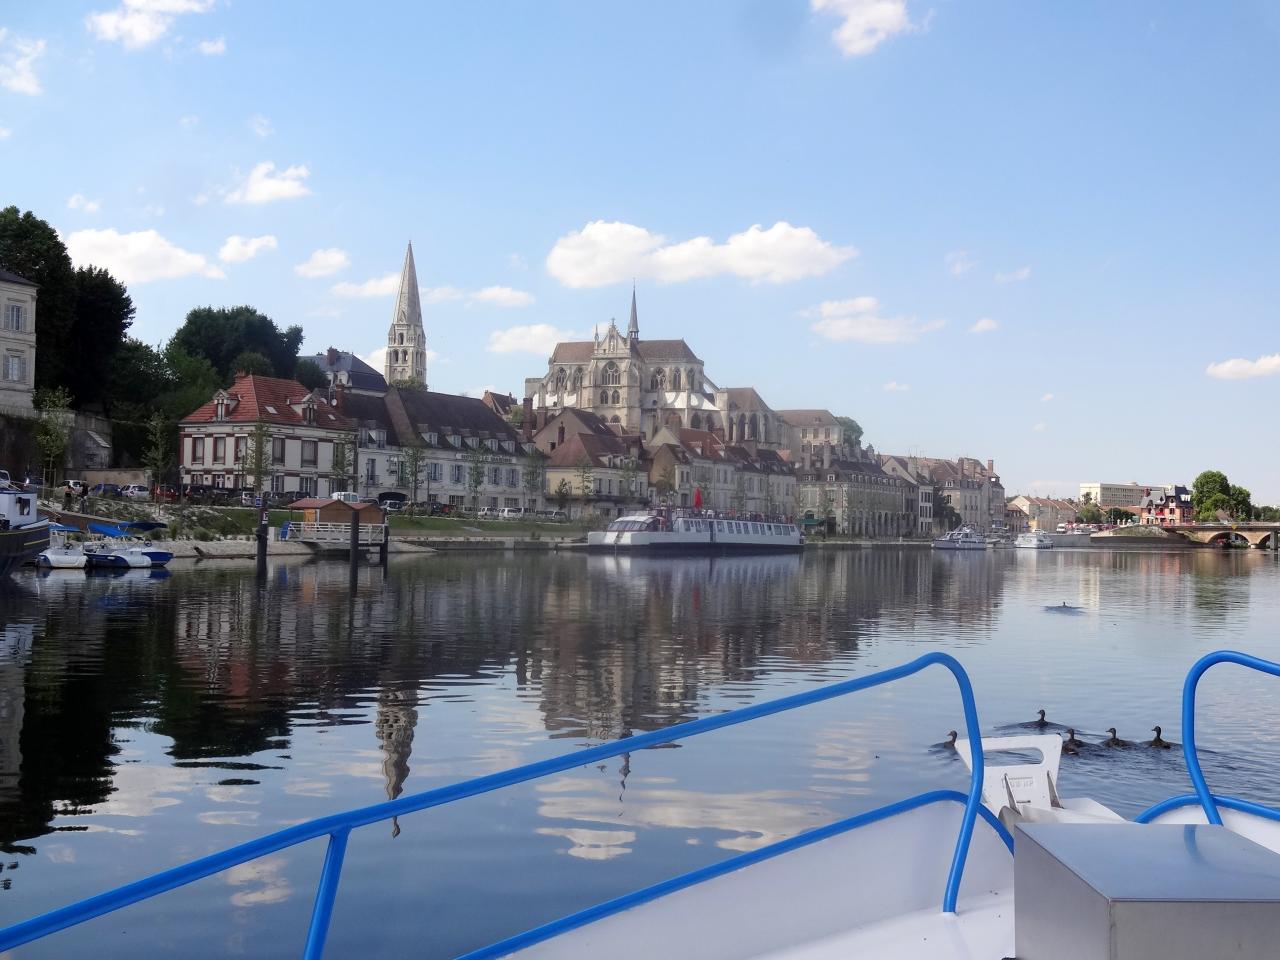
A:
(165, 493)
(394, 506)
(369, 500)
(33, 483)
(135, 491)
(346, 496)
(436, 509)
(488, 513)
(111, 490)
(511, 513)
(557, 516)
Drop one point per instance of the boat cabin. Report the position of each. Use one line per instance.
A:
(17, 509)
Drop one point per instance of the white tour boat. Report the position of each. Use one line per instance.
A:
(961, 538)
(1034, 540)
(23, 532)
(929, 876)
(682, 531)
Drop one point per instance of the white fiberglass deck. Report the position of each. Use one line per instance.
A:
(872, 892)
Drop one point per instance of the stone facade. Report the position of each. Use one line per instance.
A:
(17, 342)
(406, 339)
(857, 498)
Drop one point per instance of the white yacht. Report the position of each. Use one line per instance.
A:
(961, 538)
(1034, 540)
(686, 532)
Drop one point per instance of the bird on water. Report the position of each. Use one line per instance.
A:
(1113, 740)
(1071, 744)
(1158, 741)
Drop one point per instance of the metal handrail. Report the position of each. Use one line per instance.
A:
(338, 827)
(1207, 800)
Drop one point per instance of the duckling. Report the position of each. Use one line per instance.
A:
(1039, 723)
(1071, 744)
(951, 739)
(1158, 741)
(1113, 740)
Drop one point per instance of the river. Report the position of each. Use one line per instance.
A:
(145, 721)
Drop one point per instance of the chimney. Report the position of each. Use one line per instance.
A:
(331, 356)
(991, 466)
(528, 419)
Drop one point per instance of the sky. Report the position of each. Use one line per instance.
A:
(1040, 233)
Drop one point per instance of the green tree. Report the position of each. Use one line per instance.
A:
(945, 514)
(1212, 505)
(1087, 498)
(221, 334)
(740, 493)
(564, 490)
(103, 314)
(252, 362)
(475, 474)
(1090, 512)
(535, 474)
(586, 478)
(137, 377)
(666, 483)
(258, 456)
(31, 248)
(1118, 515)
(158, 456)
(309, 374)
(852, 430)
(1207, 484)
(630, 473)
(53, 429)
(1241, 502)
(191, 381)
(411, 469)
(340, 466)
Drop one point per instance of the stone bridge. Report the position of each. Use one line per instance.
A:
(1263, 535)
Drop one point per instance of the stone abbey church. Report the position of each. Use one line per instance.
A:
(645, 385)
(406, 339)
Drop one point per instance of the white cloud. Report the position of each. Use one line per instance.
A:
(263, 185)
(140, 23)
(1013, 276)
(1241, 369)
(213, 48)
(502, 297)
(893, 386)
(865, 24)
(323, 262)
(605, 252)
(238, 249)
(535, 338)
(959, 262)
(440, 294)
(137, 257)
(384, 286)
(5, 133)
(261, 125)
(984, 325)
(860, 319)
(1040, 427)
(18, 58)
(188, 121)
(78, 201)
(1046, 398)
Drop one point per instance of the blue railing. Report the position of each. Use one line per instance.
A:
(1202, 795)
(338, 827)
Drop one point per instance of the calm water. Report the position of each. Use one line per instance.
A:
(145, 721)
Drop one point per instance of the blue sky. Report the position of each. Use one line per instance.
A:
(1031, 232)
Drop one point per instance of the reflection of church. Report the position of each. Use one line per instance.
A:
(644, 385)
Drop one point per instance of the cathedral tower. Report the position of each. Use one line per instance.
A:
(406, 339)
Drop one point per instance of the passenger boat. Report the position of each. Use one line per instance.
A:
(62, 553)
(1034, 540)
(961, 538)
(124, 548)
(690, 531)
(23, 532)
(933, 875)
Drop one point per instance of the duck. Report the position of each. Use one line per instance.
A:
(1113, 740)
(1158, 741)
(1071, 744)
(949, 743)
(1042, 722)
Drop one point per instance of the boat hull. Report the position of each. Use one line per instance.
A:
(664, 542)
(958, 545)
(20, 545)
(62, 558)
(119, 560)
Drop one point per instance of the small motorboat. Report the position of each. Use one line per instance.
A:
(961, 538)
(124, 548)
(62, 553)
(1034, 540)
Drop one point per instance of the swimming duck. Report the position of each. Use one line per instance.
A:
(1158, 741)
(1113, 740)
(951, 739)
(1071, 744)
(1042, 722)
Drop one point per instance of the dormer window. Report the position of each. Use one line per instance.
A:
(220, 409)
(491, 444)
(509, 446)
(431, 439)
(455, 440)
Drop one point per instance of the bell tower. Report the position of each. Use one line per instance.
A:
(406, 338)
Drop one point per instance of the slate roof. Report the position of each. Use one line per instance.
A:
(366, 410)
(651, 351)
(445, 413)
(745, 399)
(269, 399)
(808, 418)
(360, 375)
(589, 446)
(500, 403)
(10, 277)
(573, 351)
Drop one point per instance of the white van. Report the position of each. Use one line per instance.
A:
(347, 496)
(511, 513)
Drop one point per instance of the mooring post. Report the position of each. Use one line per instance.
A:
(384, 546)
(263, 530)
(355, 535)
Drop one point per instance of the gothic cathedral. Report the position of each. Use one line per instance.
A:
(406, 339)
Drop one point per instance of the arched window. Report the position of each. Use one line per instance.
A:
(604, 396)
(612, 375)
(560, 378)
(617, 398)
(615, 419)
(577, 378)
(753, 428)
(659, 380)
(400, 338)
(675, 379)
(693, 379)
(695, 421)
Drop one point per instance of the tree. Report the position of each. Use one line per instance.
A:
(415, 458)
(1090, 512)
(309, 374)
(158, 455)
(53, 429)
(475, 474)
(31, 248)
(586, 478)
(666, 483)
(563, 492)
(852, 430)
(1118, 515)
(1212, 505)
(258, 456)
(192, 381)
(103, 314)
(535, 475)
(945, 514)
(252, 362)
(222, 334)
(630, 472)
(1209, 482)
(340, 468)
(740, 493)
(1087, 498)
(1241, 502)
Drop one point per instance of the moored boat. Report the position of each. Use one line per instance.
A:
(1034, 540)
(961, 538)
(23, 532)
(62, 554)
(692, 531)
(124, 549)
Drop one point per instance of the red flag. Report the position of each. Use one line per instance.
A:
(697, 498)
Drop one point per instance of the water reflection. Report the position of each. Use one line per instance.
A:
(169, 717)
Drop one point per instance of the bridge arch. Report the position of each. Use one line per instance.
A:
(1228, 537)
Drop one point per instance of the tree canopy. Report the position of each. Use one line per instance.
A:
(1212, 494)
(31, 248)
(309, 374)
(852, 429)
(1206, 485)
(223, 335)
(103, 315)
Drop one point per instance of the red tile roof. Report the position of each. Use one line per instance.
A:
(271, 400)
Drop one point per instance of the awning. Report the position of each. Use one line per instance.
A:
(97, 438)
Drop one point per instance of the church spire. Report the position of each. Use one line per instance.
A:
(633, 328)
(406, 339)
